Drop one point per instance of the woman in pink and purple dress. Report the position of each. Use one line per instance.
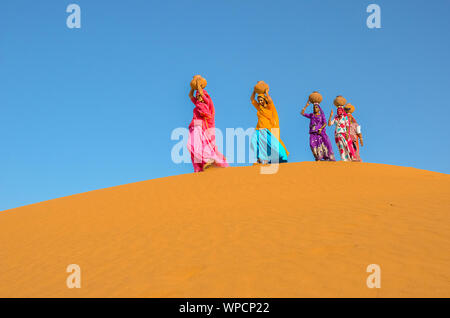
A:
(319, 142)
(202, 138)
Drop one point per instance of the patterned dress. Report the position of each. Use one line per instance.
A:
(354, 136)
(340, 135)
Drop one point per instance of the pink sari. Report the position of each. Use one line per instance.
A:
(354, 137)
(202, 138)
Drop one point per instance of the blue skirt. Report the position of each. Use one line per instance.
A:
(267, 147)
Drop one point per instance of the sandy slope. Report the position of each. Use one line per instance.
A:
(308, 231)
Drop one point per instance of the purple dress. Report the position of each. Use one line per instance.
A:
(320, 143)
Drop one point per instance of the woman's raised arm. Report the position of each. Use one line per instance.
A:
(304, 108)
(269, 99)
(252, 98)
(329, 120)
(199, 88)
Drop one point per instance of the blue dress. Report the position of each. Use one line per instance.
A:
(267, 147)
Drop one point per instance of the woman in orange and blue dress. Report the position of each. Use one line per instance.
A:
(266, 142)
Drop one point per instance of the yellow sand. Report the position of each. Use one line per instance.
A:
(308, 231)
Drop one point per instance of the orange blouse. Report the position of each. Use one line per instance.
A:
(268, 119)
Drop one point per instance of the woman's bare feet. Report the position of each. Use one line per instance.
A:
(208, 164)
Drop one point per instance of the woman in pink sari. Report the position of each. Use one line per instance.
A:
(355, 131)
(202, 138)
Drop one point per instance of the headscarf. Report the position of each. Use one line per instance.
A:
(350, 109)
(344, 113)
(322, 114)
(197, 94)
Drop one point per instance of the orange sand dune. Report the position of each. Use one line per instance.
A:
(310, 230)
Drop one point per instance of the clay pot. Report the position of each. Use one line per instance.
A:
(203, 82)
(339, 101)
(349, 108)
(261, 87)
(315, 97)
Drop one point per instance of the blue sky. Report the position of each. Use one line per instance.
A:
(83, 109)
